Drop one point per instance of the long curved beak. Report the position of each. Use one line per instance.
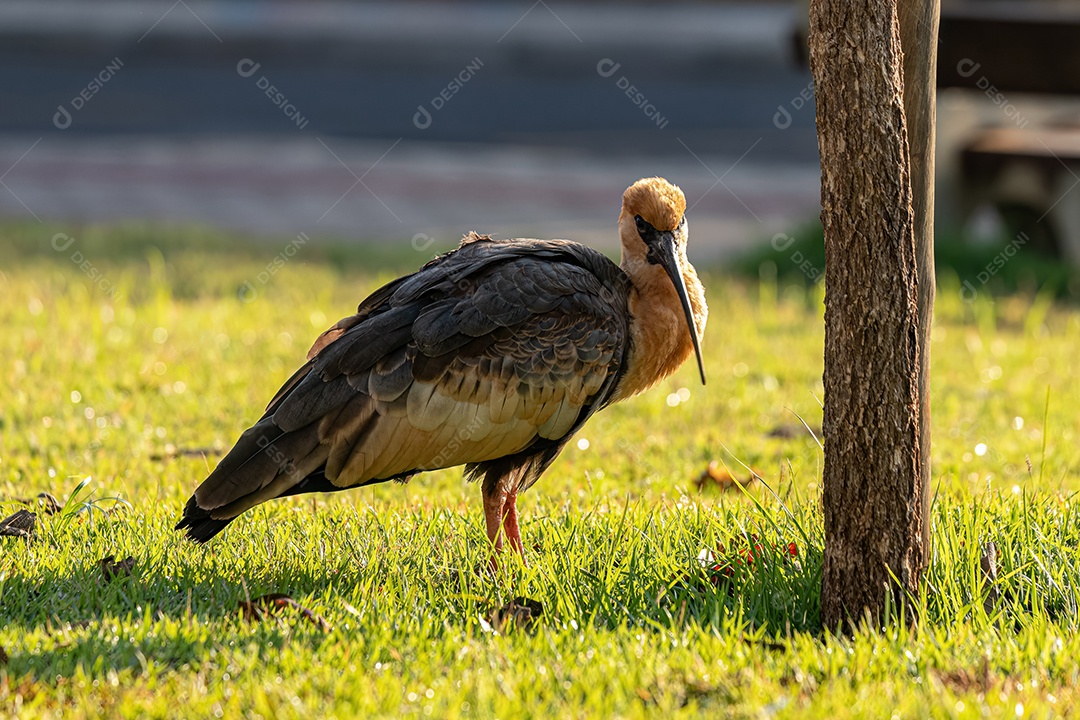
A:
(669, 258)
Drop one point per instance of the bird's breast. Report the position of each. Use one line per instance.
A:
(660, 339)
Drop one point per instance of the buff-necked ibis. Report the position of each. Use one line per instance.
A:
(491, 356)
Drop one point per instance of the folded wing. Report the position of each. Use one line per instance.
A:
(497, 349)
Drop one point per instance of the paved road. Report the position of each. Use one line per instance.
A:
(381, 191)
(517, 118)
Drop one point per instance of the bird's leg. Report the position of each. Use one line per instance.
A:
(510, 522)
(500, 514)
(494, 499)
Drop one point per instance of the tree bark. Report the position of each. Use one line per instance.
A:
(877, 305)
(918, 38)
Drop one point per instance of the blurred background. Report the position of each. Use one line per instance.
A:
(410, 123)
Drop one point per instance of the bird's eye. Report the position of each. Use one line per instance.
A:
(641, 224)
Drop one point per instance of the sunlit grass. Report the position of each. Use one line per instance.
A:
(141, 373)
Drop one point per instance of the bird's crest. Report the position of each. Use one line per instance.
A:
(657, 201)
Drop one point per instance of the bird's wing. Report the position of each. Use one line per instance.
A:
(370, 304)
(492, 350)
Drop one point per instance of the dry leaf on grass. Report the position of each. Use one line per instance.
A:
(112, 569)
(520, 612)
(260, 607)
(48, 503)
(45, 502)
(716, 474)
(21, 524)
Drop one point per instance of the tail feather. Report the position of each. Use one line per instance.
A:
(264, 462)
(199, 525)
(260, 454)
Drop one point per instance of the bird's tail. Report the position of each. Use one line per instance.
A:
(265, 463)
(198, 524)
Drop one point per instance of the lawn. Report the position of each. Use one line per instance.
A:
(137, 361)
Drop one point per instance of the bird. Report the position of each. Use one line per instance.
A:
(490, 356)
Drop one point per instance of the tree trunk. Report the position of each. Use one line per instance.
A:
(877, 303)
(919, 37)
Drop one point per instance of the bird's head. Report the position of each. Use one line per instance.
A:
(652, 227)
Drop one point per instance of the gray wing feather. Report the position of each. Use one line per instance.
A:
(505, 309)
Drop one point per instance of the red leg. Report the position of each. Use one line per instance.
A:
(500, 514)
(493, 515)
(510, 523)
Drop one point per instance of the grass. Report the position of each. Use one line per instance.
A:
(1002, 265)
(140, 376)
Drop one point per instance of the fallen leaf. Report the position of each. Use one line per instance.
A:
(44, 501)
(260, 607)
(971, 681)
(520, 612)
(49, 503)
(26, 690)
(112, 569)
(717, 474)
(21, 524)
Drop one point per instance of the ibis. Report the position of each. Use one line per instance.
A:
(491, 356)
